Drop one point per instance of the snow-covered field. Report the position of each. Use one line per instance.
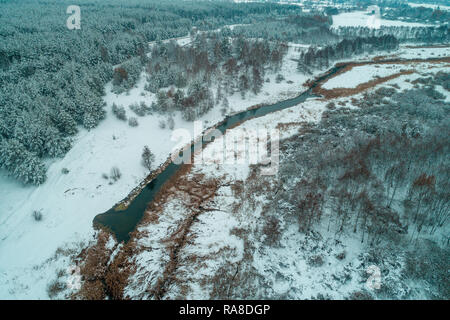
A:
(361, 18)
(408, 52)
(362, 74)
(366, 73)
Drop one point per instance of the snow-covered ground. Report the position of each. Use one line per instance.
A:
(366, 73)
(69, 202)
(362, 74)
(211, 233)
(361, 18)
(407, 51)
(226, 243)
(318, 265)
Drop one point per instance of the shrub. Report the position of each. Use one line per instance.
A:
(115, 173)
(37, 215)
(54, 288)
(120, 74)
(170, 123)
(331, 106)
(279, 78)
(132, 122)
(126, 76)
(341, 256)
(316, 261)
(64, 171)
(271, 230)
(360, 295)
(140, 109)
(119, 112)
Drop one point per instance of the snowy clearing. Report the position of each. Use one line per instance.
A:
(366, 73)
(361, 18)
(360, 75)
(413, 51)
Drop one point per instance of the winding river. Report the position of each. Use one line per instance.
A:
(122, 222)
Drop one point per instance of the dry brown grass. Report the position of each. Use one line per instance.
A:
(286, 125)
(385, 57)
(346, 92)
(167, 190)
(102, 279)
(343, 92)
(55, 287)
(93, 262)
(196, 194)
(116, 277)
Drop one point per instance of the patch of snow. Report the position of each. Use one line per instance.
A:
(408, 51)
(362, 74)
(361, 19)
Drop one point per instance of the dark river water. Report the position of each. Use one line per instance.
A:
(121, 223)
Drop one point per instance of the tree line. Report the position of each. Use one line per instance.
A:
(319, 58)
(439, 34)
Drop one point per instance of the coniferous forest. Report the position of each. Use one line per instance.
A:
(52, 79)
